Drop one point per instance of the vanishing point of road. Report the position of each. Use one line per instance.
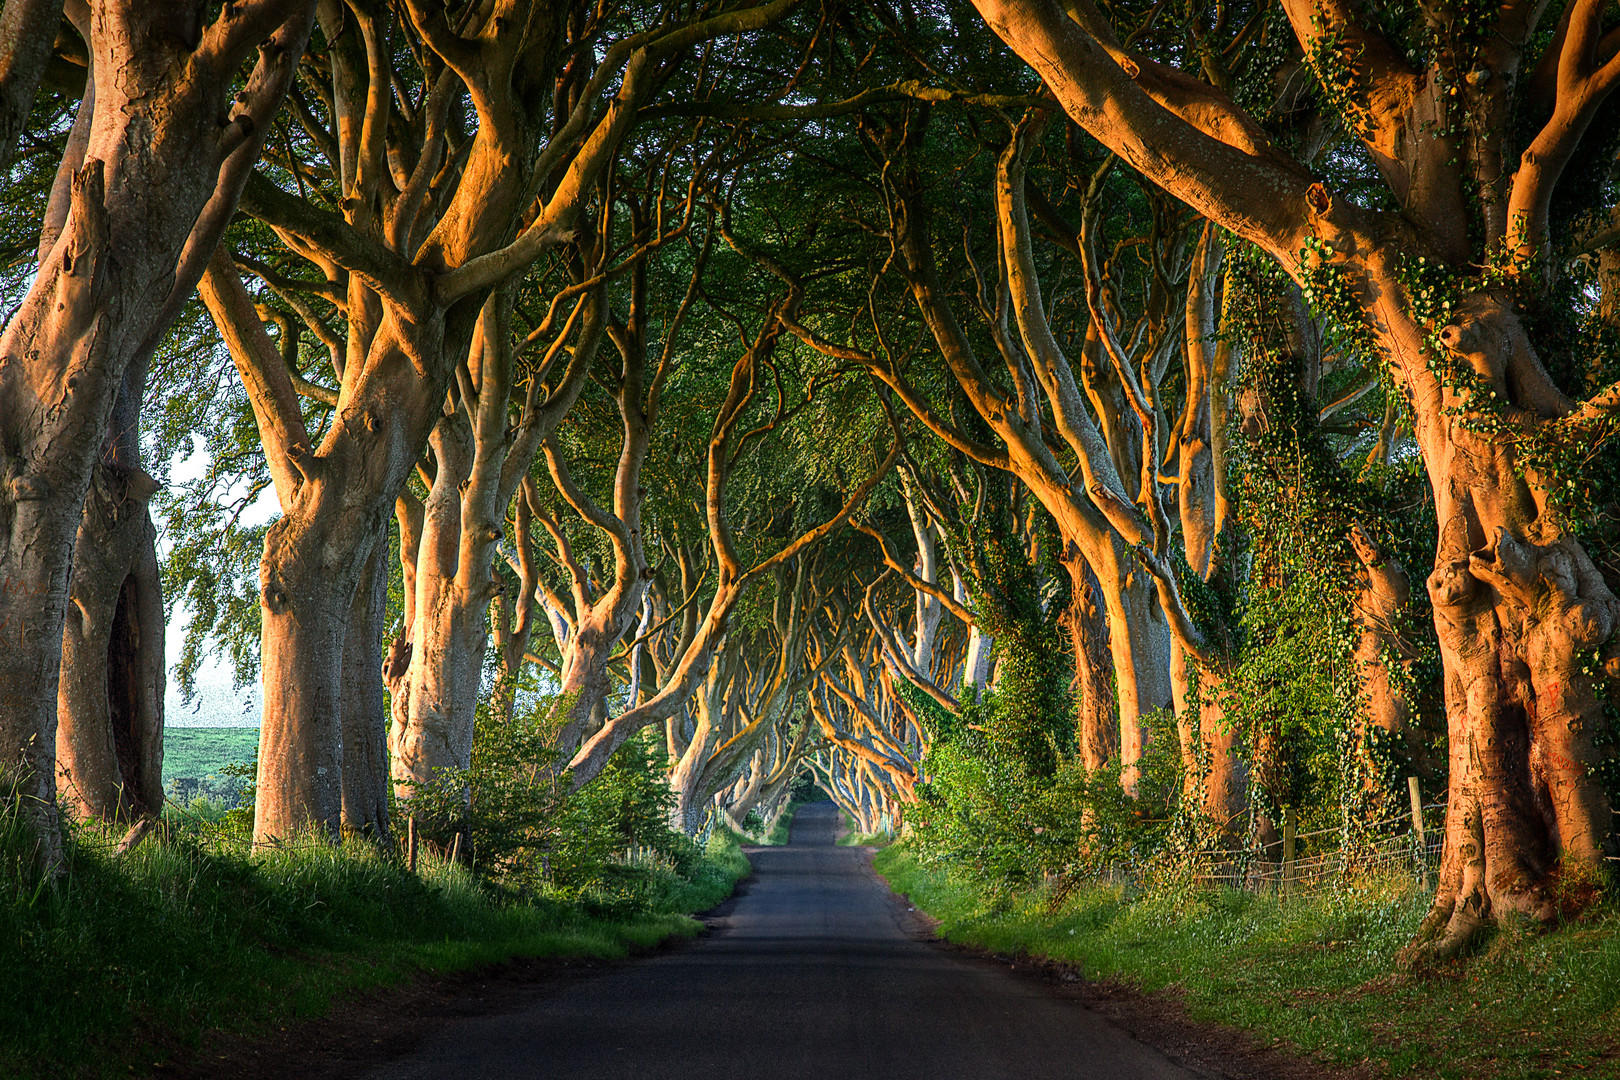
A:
(812, 976)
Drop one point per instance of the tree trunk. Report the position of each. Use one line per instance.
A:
(1139, 642)
(980, 649)
(306, 595)
(513, 612)
(585, 682)
(1381, 650)
(433, 718)
(109, 736)
(158, 181)
(336, 504)
(365, 712)
(1215, 777)
(1527, 633)
(1096, 709)
(691, 805)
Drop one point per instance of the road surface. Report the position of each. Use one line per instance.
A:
(812, 976)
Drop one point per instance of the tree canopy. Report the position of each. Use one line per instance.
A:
(1086, 432)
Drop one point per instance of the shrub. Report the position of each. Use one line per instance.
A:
(607, 847)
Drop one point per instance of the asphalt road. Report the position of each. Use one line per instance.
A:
(812, 976)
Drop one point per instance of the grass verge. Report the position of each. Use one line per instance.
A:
(778, 836)
(123, 957)
(853, 837)
(1318, 972)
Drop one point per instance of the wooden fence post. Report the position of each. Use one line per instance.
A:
(1417, 829)
(410, 844)
(1287, 884)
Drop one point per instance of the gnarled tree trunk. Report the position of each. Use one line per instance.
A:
(142, 200)
(365, 710)
(109, 734)
(1096, 707)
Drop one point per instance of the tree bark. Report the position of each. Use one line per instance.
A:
(109, 735)
(1384, 593)
(1215, 776)
(158, 181)
(433, 725)
(365, 711)
(1096, 708)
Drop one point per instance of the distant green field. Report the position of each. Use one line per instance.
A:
(191, 755)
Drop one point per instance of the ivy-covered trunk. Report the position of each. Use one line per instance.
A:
(1215, 772)
(1526, 625)
(1384, 655)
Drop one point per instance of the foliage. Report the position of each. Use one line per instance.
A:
(1295, 691)
(608, 847)
(1005, 796)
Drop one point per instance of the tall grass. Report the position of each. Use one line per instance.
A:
(120, 957)
(1318, 971)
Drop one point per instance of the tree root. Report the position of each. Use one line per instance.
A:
(1449, 931)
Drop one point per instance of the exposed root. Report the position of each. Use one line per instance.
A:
(1449, 930)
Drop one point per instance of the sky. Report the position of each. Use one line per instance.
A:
(218, 701)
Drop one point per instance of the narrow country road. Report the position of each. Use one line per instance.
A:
(811, 977)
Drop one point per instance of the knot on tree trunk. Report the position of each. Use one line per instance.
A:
(1488, 335)
(1554, 586)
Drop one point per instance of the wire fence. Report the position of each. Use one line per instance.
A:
(1294, 864)
(1314, 861)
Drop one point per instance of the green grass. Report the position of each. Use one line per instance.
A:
(1319, 972)
(195, 753)
(852, 838)
(123, 958)
(778, 836)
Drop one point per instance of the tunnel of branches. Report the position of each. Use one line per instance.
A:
(1073, 432)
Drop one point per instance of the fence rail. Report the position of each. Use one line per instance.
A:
(1410, 844)
(1246, 870)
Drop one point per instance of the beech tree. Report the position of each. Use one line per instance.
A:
(162, 146)
(1526, 619)
(436, 222)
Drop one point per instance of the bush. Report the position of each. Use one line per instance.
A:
(607, 848)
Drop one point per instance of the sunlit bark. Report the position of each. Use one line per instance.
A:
(109, 735)
(142, 201)
(1517, 600)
